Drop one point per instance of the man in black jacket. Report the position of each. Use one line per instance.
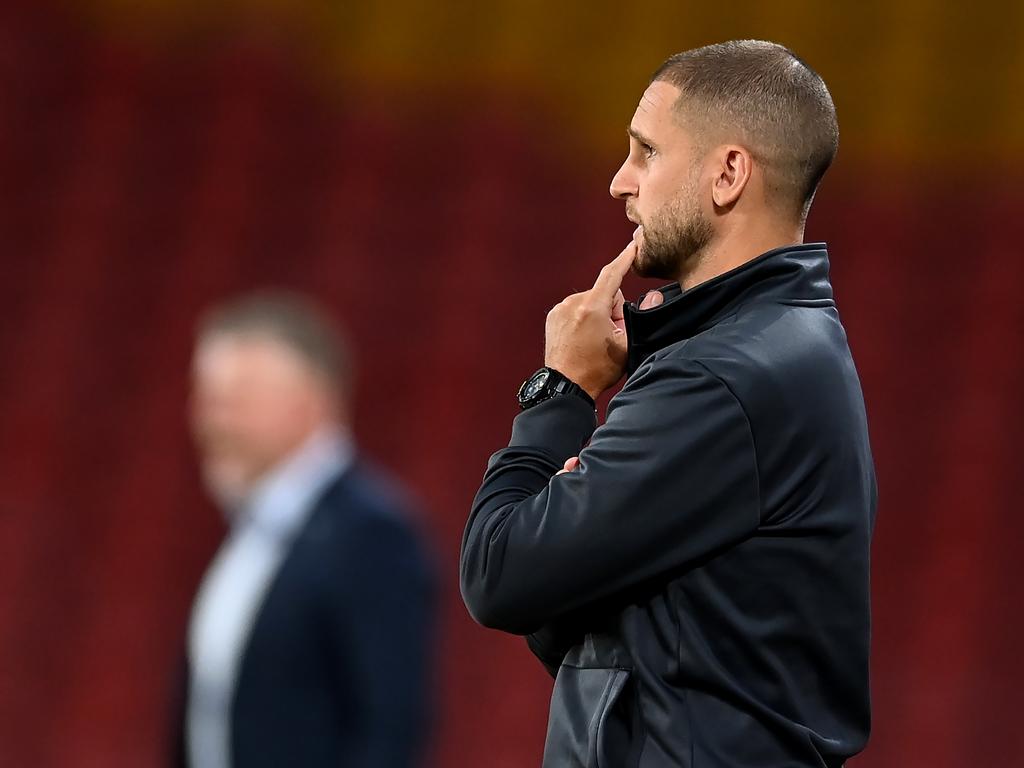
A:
(694, 572)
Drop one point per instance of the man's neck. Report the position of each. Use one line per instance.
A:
(735, 249)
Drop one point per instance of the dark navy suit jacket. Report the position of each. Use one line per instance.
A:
(336, 670)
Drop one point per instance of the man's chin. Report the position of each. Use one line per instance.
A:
(653, 269)
(228, 487)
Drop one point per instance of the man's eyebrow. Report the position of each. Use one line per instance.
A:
(639, 136)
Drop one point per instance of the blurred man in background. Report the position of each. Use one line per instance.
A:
(309, 642)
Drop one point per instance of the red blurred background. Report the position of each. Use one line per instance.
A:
(437, 174)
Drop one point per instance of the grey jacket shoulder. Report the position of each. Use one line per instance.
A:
(772, 355)
(790, 368)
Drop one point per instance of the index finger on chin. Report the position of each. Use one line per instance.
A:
(610, 278)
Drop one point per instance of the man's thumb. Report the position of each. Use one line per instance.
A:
(652, 299)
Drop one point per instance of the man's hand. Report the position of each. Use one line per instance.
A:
(585, 335)
(570, 465)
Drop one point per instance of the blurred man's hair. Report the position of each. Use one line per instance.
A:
(763, 96)
(291, 319)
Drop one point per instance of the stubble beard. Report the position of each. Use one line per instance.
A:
(674, 237)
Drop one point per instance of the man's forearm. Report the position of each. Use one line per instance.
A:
(542, 439)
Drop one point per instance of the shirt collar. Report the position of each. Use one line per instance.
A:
(793, 274)
(283, 499)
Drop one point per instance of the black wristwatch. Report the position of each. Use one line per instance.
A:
(547, 383)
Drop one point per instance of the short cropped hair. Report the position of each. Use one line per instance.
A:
(291, 319)
(764, 96)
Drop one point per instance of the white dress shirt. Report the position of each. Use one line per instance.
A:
(237, 580)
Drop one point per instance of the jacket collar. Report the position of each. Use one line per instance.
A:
(794, 274)
(285, 498)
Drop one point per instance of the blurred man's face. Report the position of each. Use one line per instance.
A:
(254, 402)
(660, 183)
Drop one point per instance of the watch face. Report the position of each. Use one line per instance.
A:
(535, 385)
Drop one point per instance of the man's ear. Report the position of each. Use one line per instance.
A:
(732, 174)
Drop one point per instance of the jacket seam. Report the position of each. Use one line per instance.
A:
(750, 431)
(616, 667)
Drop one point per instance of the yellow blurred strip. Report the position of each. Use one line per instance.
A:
(927, 81)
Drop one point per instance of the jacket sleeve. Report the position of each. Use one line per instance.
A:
(671, 477)
(550, 646)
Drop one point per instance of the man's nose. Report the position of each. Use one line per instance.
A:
(623, 183)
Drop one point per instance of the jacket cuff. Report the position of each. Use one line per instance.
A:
(560, 426)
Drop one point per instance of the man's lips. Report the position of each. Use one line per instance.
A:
(638, 233)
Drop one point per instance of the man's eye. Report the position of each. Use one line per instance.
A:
(647, 149)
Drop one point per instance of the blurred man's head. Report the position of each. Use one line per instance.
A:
(269, 371)
(724, 135)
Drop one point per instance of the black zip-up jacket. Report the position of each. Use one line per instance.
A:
(699, 585)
